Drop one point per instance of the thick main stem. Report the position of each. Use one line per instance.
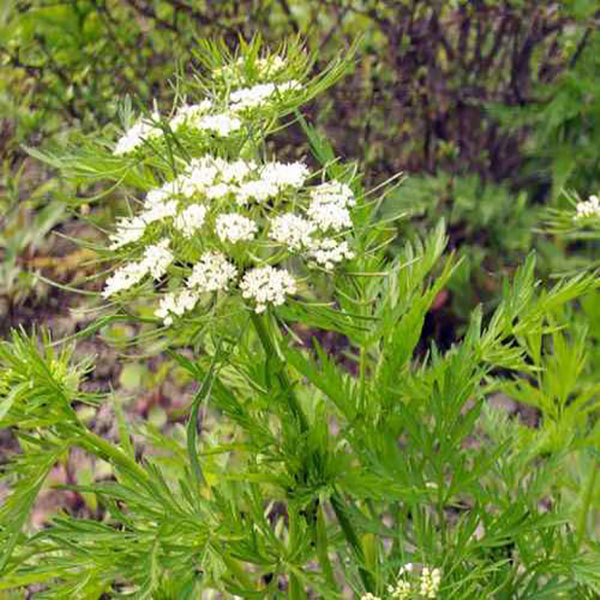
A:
(352, 538)
(270, 348)
(337, 501)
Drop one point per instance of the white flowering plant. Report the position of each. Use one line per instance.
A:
(580, 220)
(379, 471)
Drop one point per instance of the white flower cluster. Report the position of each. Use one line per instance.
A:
(369, 596)
(233, 227)
(328, 211)
(190, 219)
(221, 124)
(208, 176)
(176, 303)
(210, 115)
(282, 175)
(328, 252)
(230, 223)
(155, 261)
(329, 206)
(273, 179)
(212, 273)
(412, 584)
(259, 94)
(240, 207)
(267, 285)
(292, 230)
(589, 208)
(142, 130)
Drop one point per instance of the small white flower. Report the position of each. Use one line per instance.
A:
(236, 171)
(159, 211)
(258, 190)
(292, 230)
(142, 130)
(157, 258)
(284, 175)
(155, 261)
(159, 195)
(328, 252)
(188, 115)
(430, 582)
(124, 278)
(132, 229)
(589, 208)
(189, 220)
(328, 215)
(176, 303)
(329, 206)
(128, 230)
(333, 192)
(255, 96)
(201, 174)
(267, 285)
(233, 227)
(219, 190)
(221, 124)
(212, 273)
(369, 596)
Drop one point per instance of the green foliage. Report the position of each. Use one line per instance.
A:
(411, 439)
(301, 472)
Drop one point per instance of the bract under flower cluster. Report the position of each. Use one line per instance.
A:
(263, 68)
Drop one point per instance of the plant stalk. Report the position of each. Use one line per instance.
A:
(271, 349)
(585, 508)
(363, 376)
(104, 449)
(352, 538)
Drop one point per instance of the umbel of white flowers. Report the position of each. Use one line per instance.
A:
(241, 219)
(229, 226)
(208, 116)
(588, 208)
(413, 584)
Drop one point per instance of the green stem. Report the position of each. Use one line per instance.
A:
(108, 451)
(270, 347)
(352, 538)
(587, 500)
(319, 531)
(237, 568)
(363, 376)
